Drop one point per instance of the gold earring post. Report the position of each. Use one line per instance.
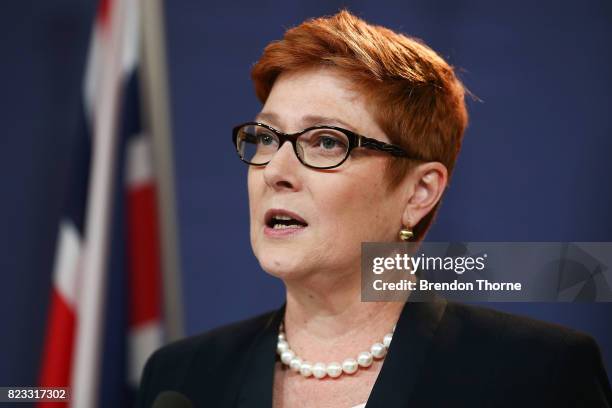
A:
(406, 234)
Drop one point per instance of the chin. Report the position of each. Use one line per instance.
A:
(282, 263)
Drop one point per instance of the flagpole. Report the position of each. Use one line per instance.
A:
(157, 117)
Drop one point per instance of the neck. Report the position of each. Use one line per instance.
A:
(328, 322)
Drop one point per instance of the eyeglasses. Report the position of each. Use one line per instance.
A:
(319, 147)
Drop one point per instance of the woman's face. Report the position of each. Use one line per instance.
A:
(338, 209)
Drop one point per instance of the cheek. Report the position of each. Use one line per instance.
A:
(254, 181)
(358, 206)
(255, 191)
(254, 188)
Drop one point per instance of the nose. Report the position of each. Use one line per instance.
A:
(282, 172)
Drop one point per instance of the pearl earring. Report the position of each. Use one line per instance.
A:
(406, 234)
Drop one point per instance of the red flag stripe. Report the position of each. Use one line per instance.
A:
(103, 15)
(55, 370)
(143, 249)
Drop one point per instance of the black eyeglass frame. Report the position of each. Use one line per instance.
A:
(355, 140)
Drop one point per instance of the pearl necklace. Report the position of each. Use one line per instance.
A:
(334, 369)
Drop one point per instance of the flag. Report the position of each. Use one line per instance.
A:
(105, 314)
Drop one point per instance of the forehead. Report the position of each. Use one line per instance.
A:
(320, 96)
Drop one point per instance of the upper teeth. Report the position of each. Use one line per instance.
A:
(282, 217)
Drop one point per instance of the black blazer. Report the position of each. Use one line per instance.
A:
(442, 355)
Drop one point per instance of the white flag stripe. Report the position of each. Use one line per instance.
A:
(139, 166)
(95, 64)
(86, 366)
(67, 262)
(143, 341)
(130, 51)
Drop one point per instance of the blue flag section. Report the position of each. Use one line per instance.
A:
(115, 390)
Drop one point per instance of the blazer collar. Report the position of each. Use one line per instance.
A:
(409, 348)
(258, 378)
(400, 371)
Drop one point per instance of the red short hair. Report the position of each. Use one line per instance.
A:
(417, 99)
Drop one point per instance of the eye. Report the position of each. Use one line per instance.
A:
(266, 139)
(329, 142)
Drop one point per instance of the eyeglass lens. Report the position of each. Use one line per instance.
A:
(317, 147)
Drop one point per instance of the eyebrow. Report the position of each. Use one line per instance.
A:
(307, 121)
(267, 117)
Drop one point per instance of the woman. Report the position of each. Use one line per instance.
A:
(356, 140)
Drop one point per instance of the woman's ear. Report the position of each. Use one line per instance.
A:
(424, 187)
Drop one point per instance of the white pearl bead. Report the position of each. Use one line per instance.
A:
(306, 369)
(349, 366)
(295, 364)
(378, 350)
(287, 356)
(282, 346)
(319, 370)
(334, 370)
(364, 359)
(387, 339)
(281, 336)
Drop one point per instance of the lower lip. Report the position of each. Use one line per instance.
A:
(282, 232)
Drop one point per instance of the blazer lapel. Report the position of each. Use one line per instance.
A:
(398, 376)
(258, 377)
(411, 341)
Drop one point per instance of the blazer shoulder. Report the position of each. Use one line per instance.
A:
(176, 365)
(518, 356)
(228, 338)
(511, 329)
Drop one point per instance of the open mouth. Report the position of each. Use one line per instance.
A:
(280, 219)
